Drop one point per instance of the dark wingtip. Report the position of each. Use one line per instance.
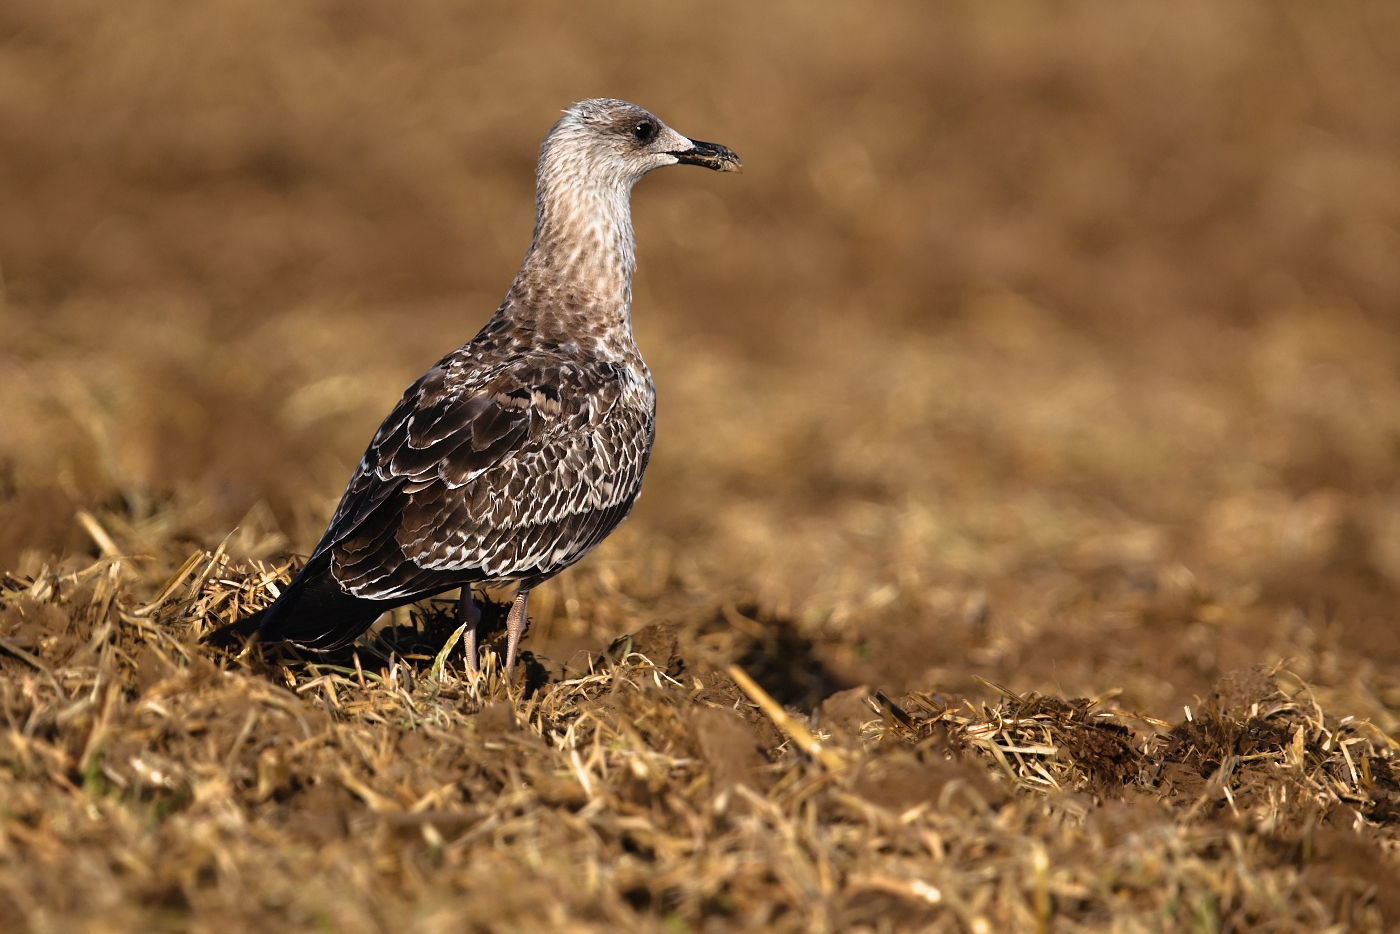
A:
(235, 633)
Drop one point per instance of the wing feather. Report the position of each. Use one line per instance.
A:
(501, 473)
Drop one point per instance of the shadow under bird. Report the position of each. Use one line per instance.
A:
(522, 450)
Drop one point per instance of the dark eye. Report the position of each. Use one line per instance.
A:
(645, 131)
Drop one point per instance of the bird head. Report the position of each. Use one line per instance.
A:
(612, 141)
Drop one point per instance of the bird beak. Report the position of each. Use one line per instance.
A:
(711, 156)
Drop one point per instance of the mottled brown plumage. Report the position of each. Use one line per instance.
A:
(520, 451)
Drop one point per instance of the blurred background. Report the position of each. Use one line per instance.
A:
(1055, 344)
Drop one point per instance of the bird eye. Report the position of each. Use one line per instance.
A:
(645, 131)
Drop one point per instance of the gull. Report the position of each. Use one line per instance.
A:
(520, 451)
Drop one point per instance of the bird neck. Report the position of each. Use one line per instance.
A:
(577, 273)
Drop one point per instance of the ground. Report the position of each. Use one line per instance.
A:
(1029, 432)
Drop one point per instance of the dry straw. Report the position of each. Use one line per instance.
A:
(148, 780)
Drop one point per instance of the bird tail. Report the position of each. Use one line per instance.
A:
(321, 617)
(237, 631)
(311, 613)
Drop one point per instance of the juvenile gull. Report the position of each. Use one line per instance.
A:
(519, 452)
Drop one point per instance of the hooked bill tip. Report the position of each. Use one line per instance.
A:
(711, 156)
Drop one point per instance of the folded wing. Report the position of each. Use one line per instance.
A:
(506, 474)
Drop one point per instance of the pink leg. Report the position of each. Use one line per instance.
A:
(468, 612)
(516, 624)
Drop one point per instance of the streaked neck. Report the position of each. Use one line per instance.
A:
(582, 255)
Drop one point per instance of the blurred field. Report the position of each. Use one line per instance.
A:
(1052, 346)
